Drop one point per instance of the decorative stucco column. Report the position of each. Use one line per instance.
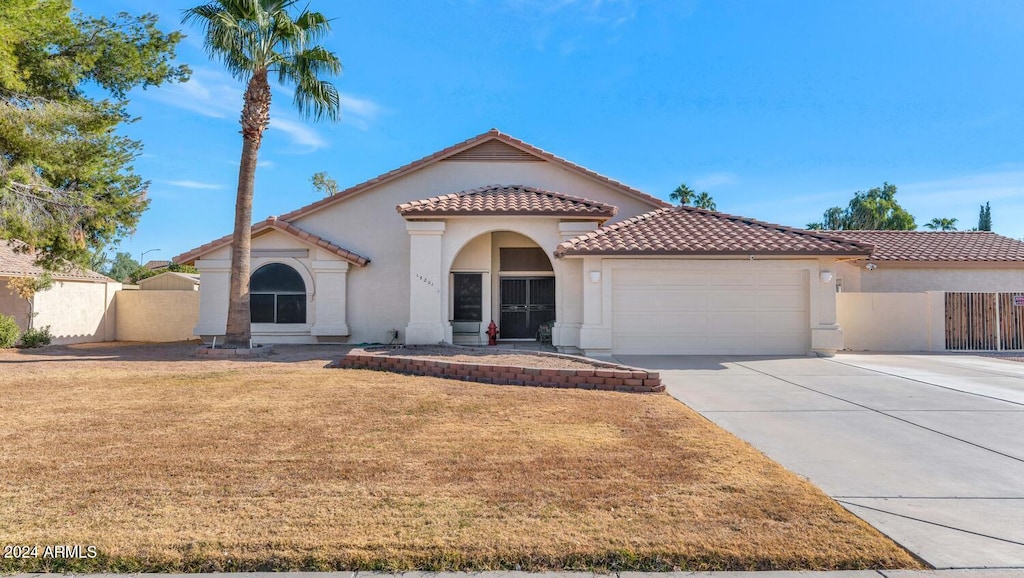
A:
(826, 334)
(426, 318)
(596, 331)
(213, 296)
(331, 295)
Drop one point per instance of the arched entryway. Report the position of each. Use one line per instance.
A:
(502, 276)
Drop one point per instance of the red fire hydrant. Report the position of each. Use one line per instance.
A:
(492, 334)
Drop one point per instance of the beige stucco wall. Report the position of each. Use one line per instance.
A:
(378, 295)
(156, 315)
(324, 274)
(168, 282)
(77, 312)
(12, 305)
(369, 225)
(897, 278)
(891, 321)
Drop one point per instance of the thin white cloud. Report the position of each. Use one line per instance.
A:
(713, 180)
(194, 185)
(214, 93)
(266, 164)
(975, 188)
(209, 92)
(299, 133)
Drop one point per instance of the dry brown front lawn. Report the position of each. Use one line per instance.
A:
(166, 462)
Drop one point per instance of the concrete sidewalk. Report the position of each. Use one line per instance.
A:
(929, 449)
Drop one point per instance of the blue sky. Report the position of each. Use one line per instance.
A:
(778, 109)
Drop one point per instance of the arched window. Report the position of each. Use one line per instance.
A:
(277, 294)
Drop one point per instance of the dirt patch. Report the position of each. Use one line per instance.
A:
(492, 357)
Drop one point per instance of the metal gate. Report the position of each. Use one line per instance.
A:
(984, 321)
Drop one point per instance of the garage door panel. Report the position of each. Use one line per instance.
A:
(710, 312)
(647, 278)
(737, 300)
(671, 345)
(789, 301)
(779, 278)
(729, 279)
(660, 300)
(780, 322)
(732, 324)
(647, 323)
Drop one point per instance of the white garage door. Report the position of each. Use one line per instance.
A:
(710, 312)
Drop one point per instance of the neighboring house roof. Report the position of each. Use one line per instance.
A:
(977, 246)
(193, 277)
(153, 264)
(278, 225)
(484, 142)
(22, 264)
(692, 231)
(508, 200)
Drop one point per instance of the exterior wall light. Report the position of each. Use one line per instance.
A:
(826, 276)
(871, 266)
(595, 276)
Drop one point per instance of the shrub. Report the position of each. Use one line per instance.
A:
(37, 337)
(9, 331)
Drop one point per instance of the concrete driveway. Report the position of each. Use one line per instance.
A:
(929, 449)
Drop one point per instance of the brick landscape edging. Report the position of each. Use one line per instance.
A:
(604, 376)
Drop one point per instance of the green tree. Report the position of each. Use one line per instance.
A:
(985, 218)
(67, 183)
(941, 224)
(26, 288)
(324, 183)
(98, 259)
(254, 39)
(704, 201)
(875, 209)
(122, 267)
(682, 194)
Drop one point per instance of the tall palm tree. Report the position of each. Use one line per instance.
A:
(704, 201)
(682, 194)
(941, 224)
(252, 39)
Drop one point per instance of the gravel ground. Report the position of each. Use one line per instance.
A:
(464, 355)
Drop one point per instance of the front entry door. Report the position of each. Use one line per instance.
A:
(526, 302)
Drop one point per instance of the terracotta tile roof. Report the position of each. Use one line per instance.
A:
(18, 264)
(692, 231)
(979, 246)
(508, 200)
(440, 155)
(283, 226)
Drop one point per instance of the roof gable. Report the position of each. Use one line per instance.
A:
(939, 246)
(508, 200)
(193, 277)
(693, 231)
(278, 225)
(491, 146)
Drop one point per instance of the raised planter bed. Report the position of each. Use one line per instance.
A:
(584, 373)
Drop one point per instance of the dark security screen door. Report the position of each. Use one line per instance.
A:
(468, 297)
(526, 302)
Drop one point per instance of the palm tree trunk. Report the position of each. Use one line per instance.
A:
(255, 118)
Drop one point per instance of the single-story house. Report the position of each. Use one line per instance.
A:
(493, 228)
(78, 307)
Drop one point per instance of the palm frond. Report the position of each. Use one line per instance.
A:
(250, 36)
